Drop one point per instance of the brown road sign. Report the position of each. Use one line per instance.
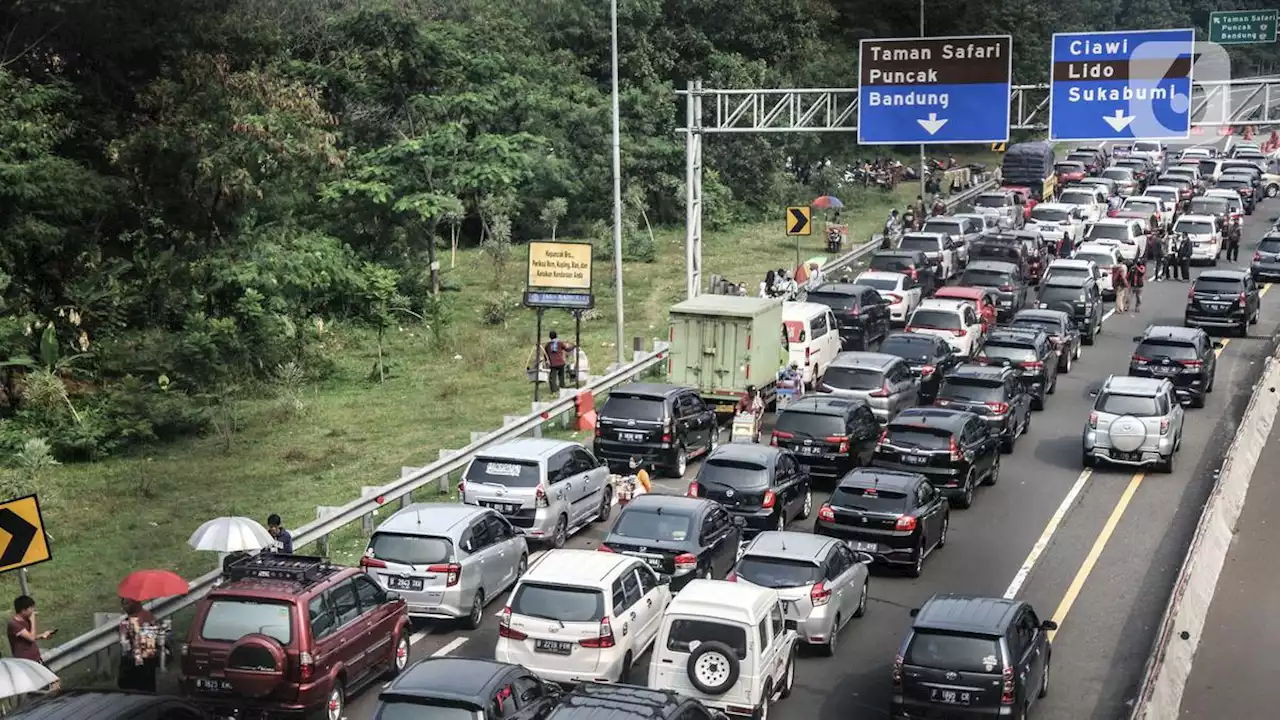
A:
(936, 61)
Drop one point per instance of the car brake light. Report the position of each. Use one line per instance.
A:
(913, 273)
(826, 514)
(883, 392)
(1006, 690)
(1141, 359)
(1000, 408)
(598, 433)
(819, 595)
(1093, 420)
(504, 626)
(959, 333)
(1032, 365)
(1191, 293)
(462, 488)
(1244, 300)
(306, 666)
(693, 489)
(452, 571)
(1192, 363)
(779, 435)
(927, 370)
(906, 523)
(732, 577)
(808, 352)
(884, 437)
(769, 499)
(1006, 288)
(604, 548)
(1164, 427)
(686, 562)
(540, 497)
(955, 451)
(893, 298)
(369, 562)
(841, 440)
(896, 674)
(605, 639)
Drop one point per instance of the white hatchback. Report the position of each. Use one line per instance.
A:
(900, 290)
(1104, 256)
(952, 320)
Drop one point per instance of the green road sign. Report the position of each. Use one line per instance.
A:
(1242, 27)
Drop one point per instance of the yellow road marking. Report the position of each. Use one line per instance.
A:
(1264, 289)
(1217, 352)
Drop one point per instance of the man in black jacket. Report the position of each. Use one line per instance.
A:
(1184, 256)
(1233, 241)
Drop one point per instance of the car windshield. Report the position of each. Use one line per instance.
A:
(229, 619)
(1233, 184)
(991, 201)
(502, 471)
(836, 301)
(1052, 327)
(653, 525)
(1102, 260)
(1219, 286)
(774, 572)
(1193, 227)
(872, 499)
(879, 283)
(558, 602)
(1146, 146)
(945, 227)
(1107, 232)
(1118, 174)
(971, 390)
(852, 378)
(1165, 195)
(958, 652)
(1049, 214)
(1050, 294)
(919, 243)
(623, 407)
(911, 349)
(410, 549)
(686, 634)
(938, 319)
(1162, 348)
(1268, 245)
(422, 709)
(811, 424)
(1016, 353)
(733, 473)
(1069, 167)
(985, 277)
(1114, 404)
(1146, 206)
(1209, 206)
(911, 436)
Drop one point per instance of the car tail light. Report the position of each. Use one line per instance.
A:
(826, 514)
(603, 548)
(369, 562)
(1191, 293)
(927, 370)
(1000, 408)
(686, 562)
(1141, 359)
(1244, 300)
(452, 571)
(605, 639)
(808, 353)
(504, 626)
(540, 497)
(959, 333)
(1032, 365)
(1192, 363)
(913, 273)
(732, 577)
(1093, 421)
(955, 451)
(906, 523)
(769, 499)
(598, 432)
(896, 674)
(841, 440)
(306, 666)
(883, 392)
(819, 595)
(893, 298)
(462, 486)
(780, 435)
(1007, 688)
(1164, 427)
(1257, 257)
(884, 437)
(693, 489)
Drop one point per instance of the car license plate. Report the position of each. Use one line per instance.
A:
(213, 684)
(403, 583)
(1215, 305)
(631, 437)
(556, 647)
(864, 546)
(949, 697)
(504, 508)
(1130, 456)
(810, 450)
(915, 459)
(1164, 370)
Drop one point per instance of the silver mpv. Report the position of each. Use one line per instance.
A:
(821, 581)
(1136, 421)
(885, 382)
(447, 561)
(548, 489)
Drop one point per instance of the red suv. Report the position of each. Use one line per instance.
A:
(291, 635)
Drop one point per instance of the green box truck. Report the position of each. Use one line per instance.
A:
(720, 344)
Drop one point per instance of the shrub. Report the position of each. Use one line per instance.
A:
(638, 246)
(498, 310)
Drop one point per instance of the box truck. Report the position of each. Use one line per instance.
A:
(720, 344)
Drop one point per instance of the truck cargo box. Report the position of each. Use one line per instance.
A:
(720, 344)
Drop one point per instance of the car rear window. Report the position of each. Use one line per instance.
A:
(1053, 294)
(1220, 286)
(971, 389)
(1208, 166)
(684, 633)
(1209, 206)
(1049, 214)
(915, 243)
(1142, 206)
(772, 572)
(847, 378)
(1166, 348)
(1127, 405)
(811, 424)
(795, 330)
(1016, 353)
(501, 471)
(981, 277)
(733, 473)
(937, 319)
(1165, 195)
(838, 301)
(558, 602)
(870, 499)
(1233, 184)
(633, 408)
(954, 651)
(1193, 227)
(652, 525)
(991, 201)
(410, 549)
(229, 619)
(917, 437)
(1050, 326)
(1078, 197)
(1069, 167)
(937, 226)
(1112, 232)
(913, 349)
(1119, 174)
(1270, 245)
(422, 709)
(879, 283)
(1102, 260)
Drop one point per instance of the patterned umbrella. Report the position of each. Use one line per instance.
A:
(827, 202)
(230, 534)
(19, 677)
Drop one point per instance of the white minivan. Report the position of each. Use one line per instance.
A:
(813, 337)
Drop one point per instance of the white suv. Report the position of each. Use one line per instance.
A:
(582, 616)
(952, 320)
(727, 645)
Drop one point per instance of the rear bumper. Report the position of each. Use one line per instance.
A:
(757, 520)
(901, 709)
(1098, 447)
(833, 465)
(606, 669)
(619, 455)
(305, 701)
(1235, 319)
(884, 553)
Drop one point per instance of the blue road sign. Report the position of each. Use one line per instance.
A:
(934, 90)
(1121, 85)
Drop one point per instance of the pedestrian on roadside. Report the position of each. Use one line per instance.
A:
(23, 634)
(140, 648)
(1184, 257)
(1233, 241)
(1120, 284)
(284, 538)
(556, 349)
(1137, 279)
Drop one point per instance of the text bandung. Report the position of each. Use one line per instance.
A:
(909, 99)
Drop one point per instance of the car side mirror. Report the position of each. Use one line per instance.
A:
(664, 579)
(1218, 346)
(1137, 338)
(739, 521)
(1049, 625)
(391, 596)
(914, 612)
(1093, 394)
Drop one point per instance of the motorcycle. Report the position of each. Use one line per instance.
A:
(746, 427)
(789, 391)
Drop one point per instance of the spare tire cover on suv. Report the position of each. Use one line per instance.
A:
(1127, 433)
(255, 665)
(713, 667)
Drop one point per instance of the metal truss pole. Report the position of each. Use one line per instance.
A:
(693, 189)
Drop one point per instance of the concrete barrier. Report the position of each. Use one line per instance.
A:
(1169, 666)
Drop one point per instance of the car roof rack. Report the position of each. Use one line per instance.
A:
(305, 569)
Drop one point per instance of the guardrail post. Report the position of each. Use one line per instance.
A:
(407, 498)
(443, 487)
(322, 543)
(366, 522)
(102, 662)
(478, 435)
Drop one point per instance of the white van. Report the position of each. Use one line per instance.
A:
(727, 645)
(812, 336)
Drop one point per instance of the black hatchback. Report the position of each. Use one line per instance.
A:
(1005, 279)
(1031, 352)
(1223, 299)
(861, 313)
(972, 657)
(1184, 356)
(660, 426)
(765, 486)
(1061, 329)
(912, 263)
(953, 448)
(828, 435)
(898, 518)
(996, 394)
(929, 356)
(1266, 259)
(1079, 297)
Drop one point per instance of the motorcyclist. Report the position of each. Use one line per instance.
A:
(790, 373)
(891, 228)
(939, 207)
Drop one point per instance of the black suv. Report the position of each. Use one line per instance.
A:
(466, 687)
(1029, 350)
(765, 486)
(912, 263)
(660, 426)
(1062, 331)
(1185, 356)
(997, 394)
(1266, 260)
(1005, 279)
(600, 701)
(829, 435)
(683, 537)
(1081, 298)
(860, 311)
(898, 518)
(1223, 298)
(953, 448)
(972, 657)
(107, 705)
(929, 356)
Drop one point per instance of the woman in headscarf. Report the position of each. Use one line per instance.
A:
(766, 287)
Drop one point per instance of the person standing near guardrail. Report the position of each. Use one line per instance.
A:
(139, 651)
(284, 539)
(23, 634)
(556, 349)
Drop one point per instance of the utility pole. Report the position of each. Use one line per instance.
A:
(617, 186)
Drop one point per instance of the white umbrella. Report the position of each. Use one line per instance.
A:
(230, 534)
(19, 677)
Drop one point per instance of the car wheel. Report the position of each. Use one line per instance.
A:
(1253, 319)
(946, 525)
(707, 574)
(336, 706)
(1087, 339)
(521, 569)
(762, 712)
(476, 616)
(1026, 423)
(680, 465)
(966, 500)
(561, 533)
(829, 647)
(1198, 400)
(1007, 443)
(918, 567)
(789, 679)
(400, 658)
(1044, 677)
(1064, 367)
(780, 524)
(807, 508)
(713, 668)
(1243, 330)
(1169, 464)
(606, 504)
(626, 667)
(1053, 386)
(1037, 402)
(993, 476)
(1087, 459)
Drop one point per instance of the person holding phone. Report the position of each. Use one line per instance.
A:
(23, 633)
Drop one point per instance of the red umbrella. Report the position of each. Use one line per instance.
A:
(142, 585)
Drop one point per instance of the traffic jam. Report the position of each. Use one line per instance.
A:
(785, 497)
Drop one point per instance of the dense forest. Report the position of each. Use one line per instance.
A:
(189, 189)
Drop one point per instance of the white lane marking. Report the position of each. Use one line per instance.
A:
(413, 639)
(454, 644)
(1108, 314)
(1045, 537)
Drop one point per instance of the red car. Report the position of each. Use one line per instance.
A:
(982, 300)
(1023, 196)
(1070, 171)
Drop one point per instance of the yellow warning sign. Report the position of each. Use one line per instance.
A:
(799, 220)
(22, 539)
(999, 147)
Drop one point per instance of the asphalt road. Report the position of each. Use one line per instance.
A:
(1096, 551)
